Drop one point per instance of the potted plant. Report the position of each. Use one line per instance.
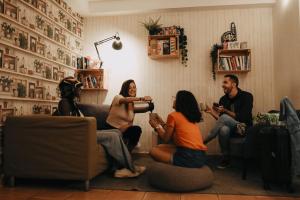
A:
(183, 46)
(214, 57)
(8, 30)
(21, 90)
(152, 26)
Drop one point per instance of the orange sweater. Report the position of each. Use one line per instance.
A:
(186, 134)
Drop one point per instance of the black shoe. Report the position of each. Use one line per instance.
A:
(225, 162)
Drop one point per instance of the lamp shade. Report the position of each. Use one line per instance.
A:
(117, 44)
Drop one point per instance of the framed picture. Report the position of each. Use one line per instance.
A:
(62, 38)
(19, 87)
(1, 6)
(64, 5)
(31, 90)
(11, 10)
(1, 57)
(9, 62)
(55, 73)
(40, 48)
(56, 34)
(33, 44)
(23, 40)
(34, 3)
(39, 92)
(48, 71)
(6, 112)
(38, 67)
(42, 6)
(61, 75)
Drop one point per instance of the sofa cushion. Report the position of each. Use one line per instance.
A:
(97, 111)
(179, 179)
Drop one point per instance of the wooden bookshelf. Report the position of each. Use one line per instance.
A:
(234, 61)
(92, 79)
(163, 46)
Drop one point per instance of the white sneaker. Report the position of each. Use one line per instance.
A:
(139, 168)
(126, 173)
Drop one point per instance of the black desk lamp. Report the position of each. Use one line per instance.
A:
(117, 45)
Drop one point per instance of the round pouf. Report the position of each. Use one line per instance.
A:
(179, 179)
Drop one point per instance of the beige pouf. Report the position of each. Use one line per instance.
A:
(179, 179)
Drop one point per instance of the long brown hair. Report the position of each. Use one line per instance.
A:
(125, 88)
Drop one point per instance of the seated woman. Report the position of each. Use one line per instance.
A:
(181, 127)
(121, 114)
(119, 156)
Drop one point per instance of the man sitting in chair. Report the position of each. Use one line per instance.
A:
(233, 114)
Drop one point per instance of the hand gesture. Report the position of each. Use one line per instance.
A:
(147, 98)
(153, 123)
(208, 109)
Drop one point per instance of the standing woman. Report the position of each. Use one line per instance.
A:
(182, 128)
(121, 114)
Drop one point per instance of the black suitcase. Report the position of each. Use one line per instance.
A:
(275, 156)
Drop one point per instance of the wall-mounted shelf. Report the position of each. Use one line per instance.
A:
(234, 61)
(71, 15)
(39, 34)
(34, 54)
(51, 20)
(27, 99)
(92, 79)
(163, 46)
(28, 76)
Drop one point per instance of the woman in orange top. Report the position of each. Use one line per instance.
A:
(181, 126)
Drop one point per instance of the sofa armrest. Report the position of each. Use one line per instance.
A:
(51, 147)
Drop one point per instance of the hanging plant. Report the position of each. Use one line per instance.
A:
(214, 57)
(152, 26)
(183, 46)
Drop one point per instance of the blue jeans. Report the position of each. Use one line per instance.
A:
(224, 128)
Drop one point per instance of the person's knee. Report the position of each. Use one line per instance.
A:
(153, 151)
(224, 131)
(225, 117)
(137, 129)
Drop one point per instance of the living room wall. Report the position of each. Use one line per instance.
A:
(162, 78)
(287, 50)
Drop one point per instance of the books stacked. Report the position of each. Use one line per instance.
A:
(230, 63)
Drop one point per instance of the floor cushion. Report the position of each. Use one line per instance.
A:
(179, 179)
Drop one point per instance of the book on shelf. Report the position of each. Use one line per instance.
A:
(234, 63)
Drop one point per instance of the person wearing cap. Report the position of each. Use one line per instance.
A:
(119, 156)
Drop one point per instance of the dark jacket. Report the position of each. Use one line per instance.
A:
(67, 107)
(241, 105)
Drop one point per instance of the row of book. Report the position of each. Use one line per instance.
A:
(234, 63)
(82, 63)
(90, 81)
(163, 47)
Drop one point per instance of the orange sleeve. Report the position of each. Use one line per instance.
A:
(171, 121)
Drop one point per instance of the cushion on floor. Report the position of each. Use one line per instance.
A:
(179, 179)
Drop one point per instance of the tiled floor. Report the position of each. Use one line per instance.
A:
(95, 194)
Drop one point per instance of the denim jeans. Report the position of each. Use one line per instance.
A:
(224, 128)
